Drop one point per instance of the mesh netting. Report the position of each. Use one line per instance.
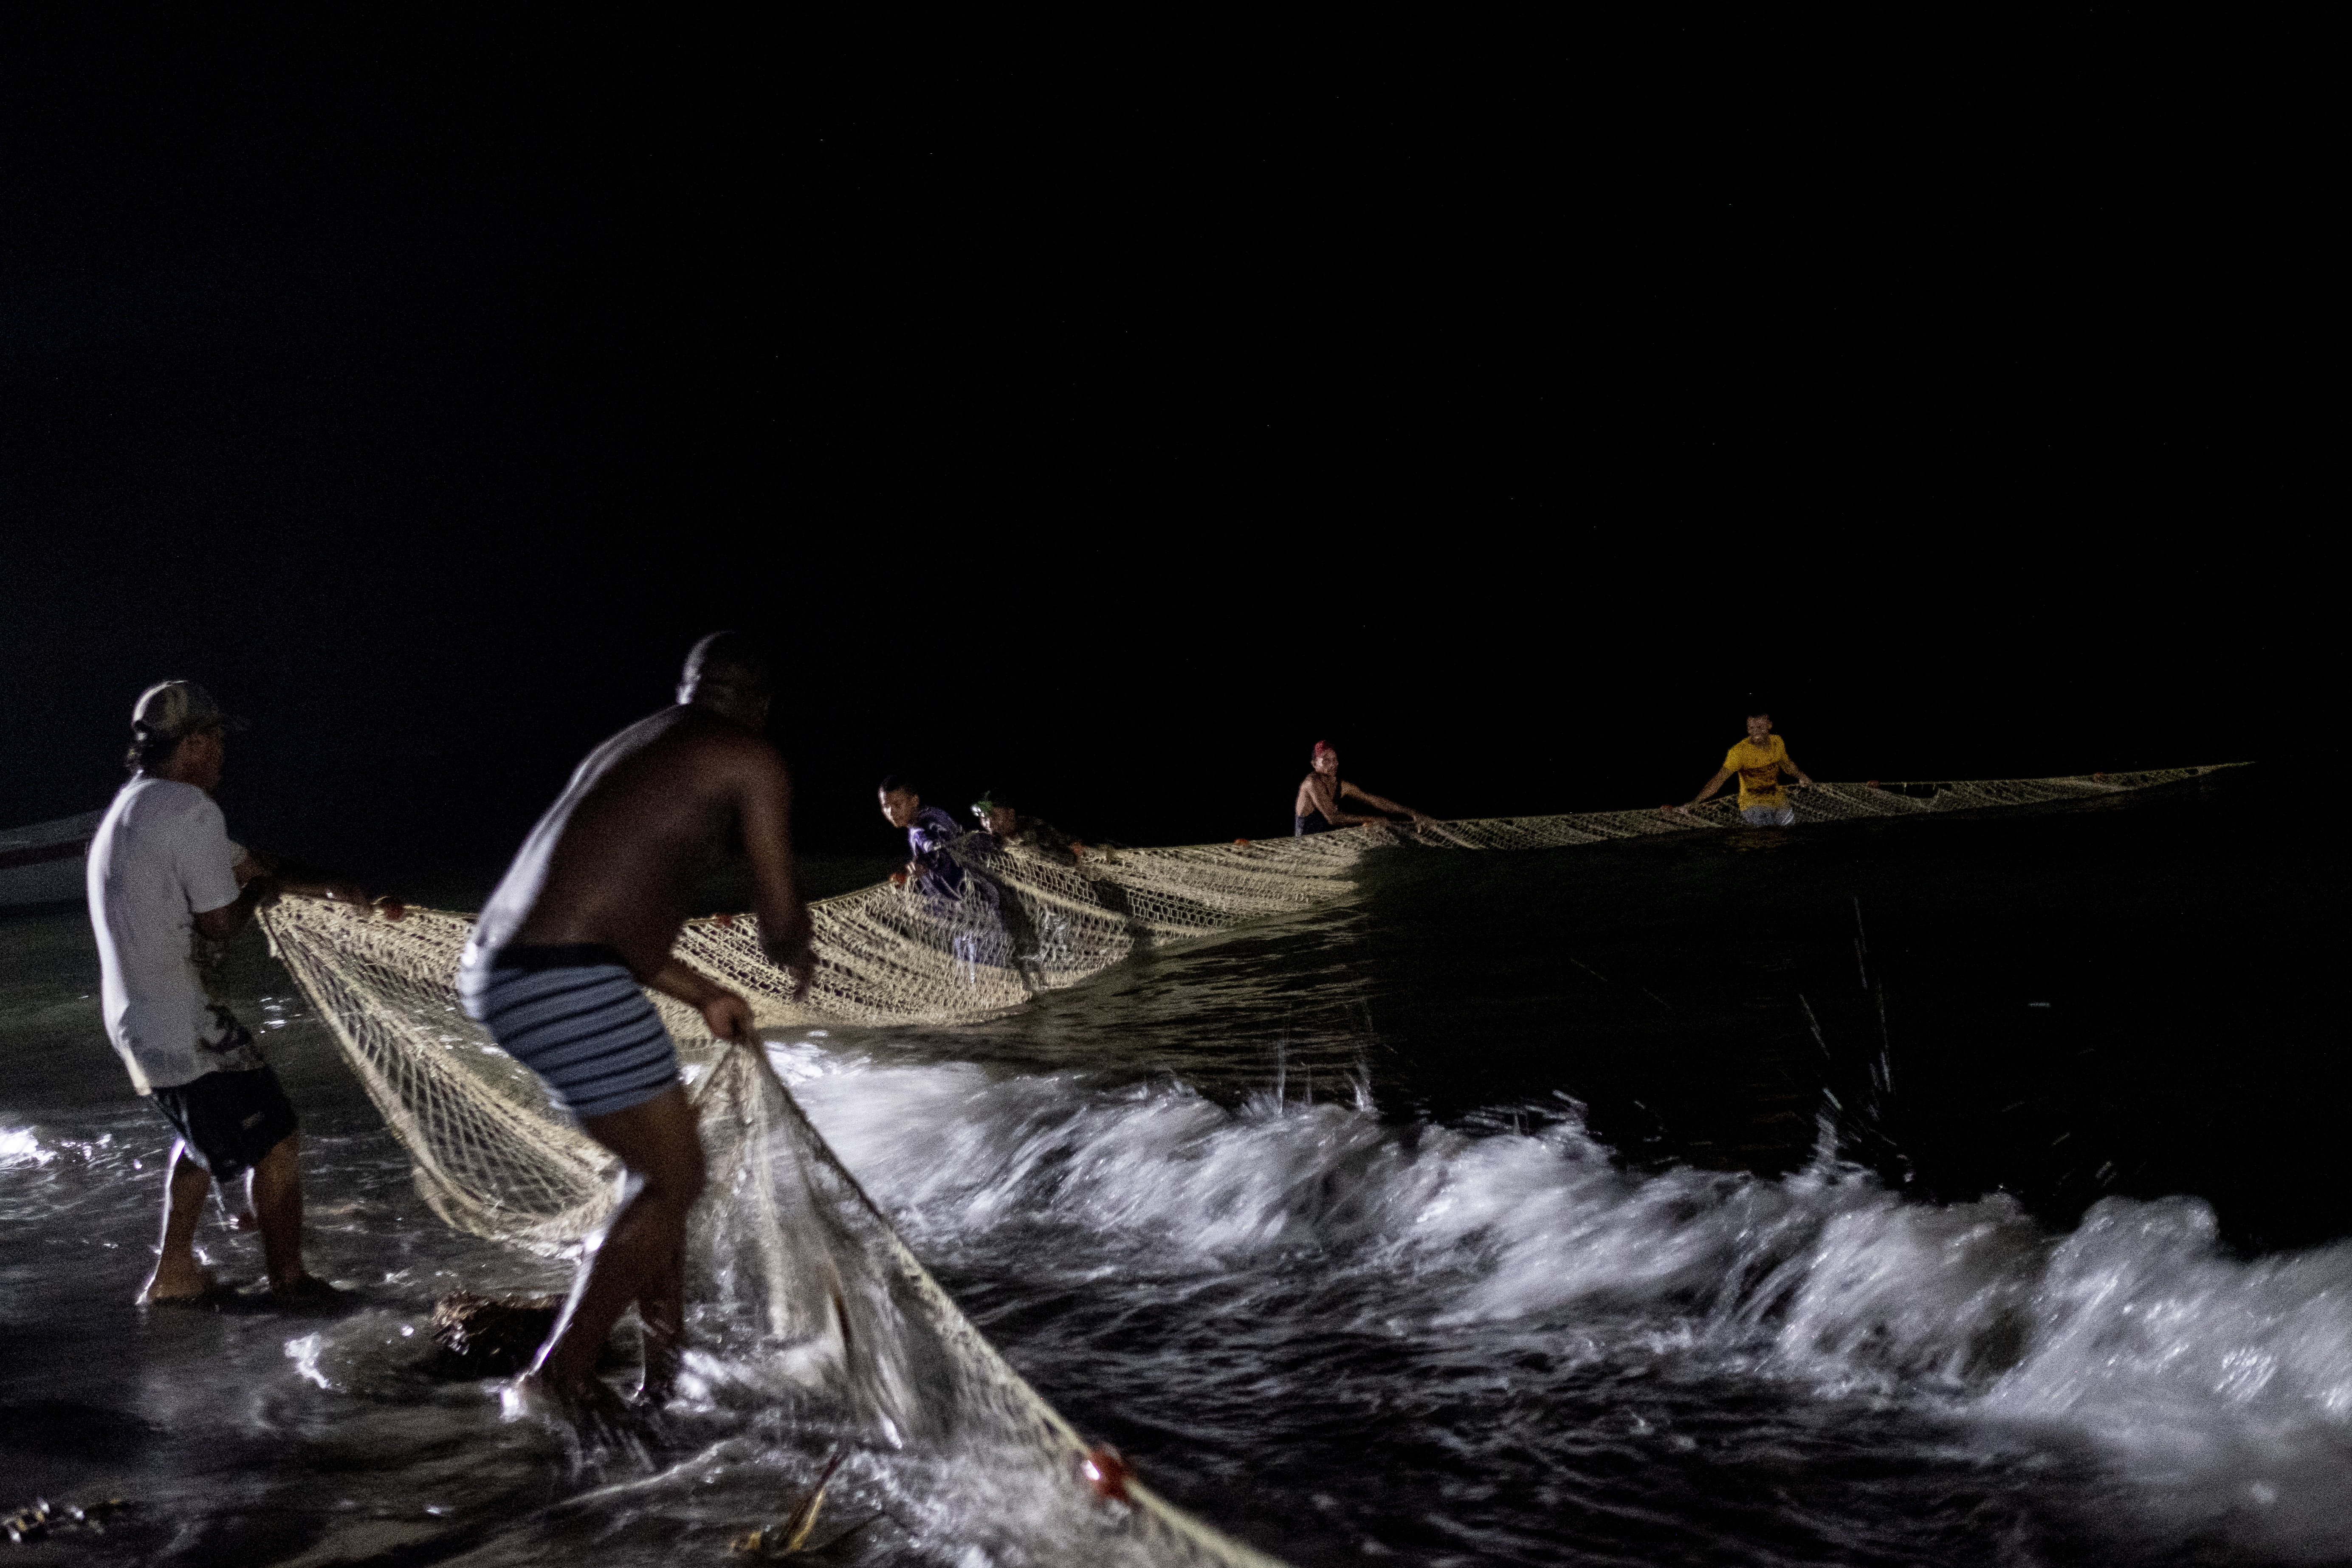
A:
(787, 1242)
(903, 955)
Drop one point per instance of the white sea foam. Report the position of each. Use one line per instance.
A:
(20, 1147)
(2217, 1392)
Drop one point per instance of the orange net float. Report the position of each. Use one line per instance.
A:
(898, 878)
(722, 918)
(1106, 1471)
(1241, 843)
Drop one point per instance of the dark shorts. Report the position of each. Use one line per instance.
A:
(574, 1016)
(230, 1119)
(1301, 827)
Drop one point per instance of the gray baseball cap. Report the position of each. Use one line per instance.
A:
(171, 709)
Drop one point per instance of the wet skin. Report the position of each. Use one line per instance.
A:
(613, 859)
(1322, 791)
(275, 1191)
(612, 862)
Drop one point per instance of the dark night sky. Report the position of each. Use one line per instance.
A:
(1107, 419)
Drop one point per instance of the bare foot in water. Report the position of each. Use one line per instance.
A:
(186, 1285)
(587, 1409)
(664, 1354)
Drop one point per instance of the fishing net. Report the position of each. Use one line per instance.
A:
(909, 956)
(786, 1246)
(787, 1243)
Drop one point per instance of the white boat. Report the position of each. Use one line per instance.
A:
(44, 864)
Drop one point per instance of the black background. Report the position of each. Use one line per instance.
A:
(1105, 418)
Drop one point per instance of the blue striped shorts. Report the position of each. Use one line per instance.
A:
(574, 1016)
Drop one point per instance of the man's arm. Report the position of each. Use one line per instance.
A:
(1381, 802)
(220, 924)
(786, 932)
(1788, 765)
(1706, 789)
(1327, 801)
(297, 879)
(729, 1015)
(1316, 796)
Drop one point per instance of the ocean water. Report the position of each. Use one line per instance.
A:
(1951, 1192)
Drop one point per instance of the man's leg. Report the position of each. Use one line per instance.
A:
(661, 1316)
(178, 1275)
(641, 1255)
(278, 1205)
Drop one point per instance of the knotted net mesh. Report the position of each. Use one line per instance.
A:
(787, 1247)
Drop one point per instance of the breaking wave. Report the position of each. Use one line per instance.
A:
(2213, 1394)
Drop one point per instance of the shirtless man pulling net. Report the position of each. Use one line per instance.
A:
(1318, 807)
(589, 910)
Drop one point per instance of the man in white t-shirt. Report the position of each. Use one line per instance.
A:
(164, 878)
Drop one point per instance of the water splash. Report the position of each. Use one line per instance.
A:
(2214, 1393)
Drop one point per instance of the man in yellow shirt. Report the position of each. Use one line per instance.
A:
(1758, 761)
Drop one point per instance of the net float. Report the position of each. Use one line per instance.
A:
(1106, 1471)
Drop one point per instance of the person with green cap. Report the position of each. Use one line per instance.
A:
(1012, 828)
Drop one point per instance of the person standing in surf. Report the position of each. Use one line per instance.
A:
(1318, 807)
(167, 888)
(1758, 761)
(588, 913)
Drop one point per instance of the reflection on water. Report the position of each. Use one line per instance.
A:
(1626, 1204)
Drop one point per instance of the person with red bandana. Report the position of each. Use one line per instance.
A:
(1322, 796)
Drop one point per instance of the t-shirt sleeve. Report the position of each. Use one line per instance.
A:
(206, 859)
(1735, 759)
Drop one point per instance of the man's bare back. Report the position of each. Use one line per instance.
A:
(615, 859)
(587, 915)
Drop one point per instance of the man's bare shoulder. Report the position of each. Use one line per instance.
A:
(706, 740)
(682, 744)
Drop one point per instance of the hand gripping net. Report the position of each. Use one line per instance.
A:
(787, 1242)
